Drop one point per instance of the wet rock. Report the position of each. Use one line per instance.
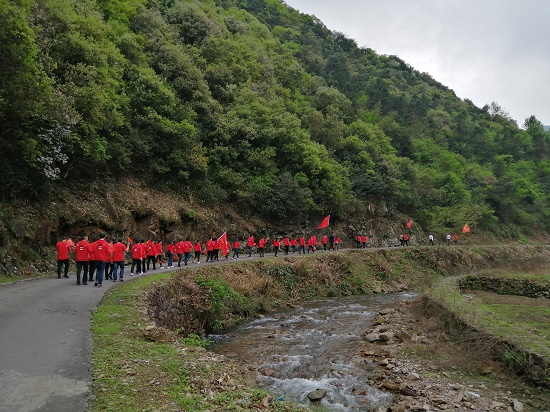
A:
(386, 311)
(386, 336)
(517, 405)
(317, 395)
(268, 372)
(472, 396)
(413, 377)
(372, 337)
(407, 391)
(403, 336)
(390, 386)
(359, 391)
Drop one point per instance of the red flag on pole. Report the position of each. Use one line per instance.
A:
(224, 244)
(466, 229)
(130, 241)
(324, 223)
(409, 223)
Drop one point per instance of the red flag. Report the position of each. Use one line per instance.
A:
(409, 223)
(224, 244)
(466, 229)
(324, 223)
(130, 241)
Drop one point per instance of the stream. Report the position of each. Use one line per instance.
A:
(315, 346)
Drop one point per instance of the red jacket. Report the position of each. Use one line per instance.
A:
(187, 246)
(158, 248)
(136, 251)
(261, 243)
(179, 247)
(276, 242)
(251, 242)
(210, 245)
(197, 247)
(82, 251)
(286, 241)
(302, 241)
(236, 245)
(63, 248)
(294, 242)
(151, 249)
(101, 250)
(324, 240)
(118, 252)
(143, 250)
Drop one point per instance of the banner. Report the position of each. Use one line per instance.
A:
(466, 229)
(224, 244)
(409, 223)
(324, 223)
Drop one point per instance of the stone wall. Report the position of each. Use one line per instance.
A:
(506, 286)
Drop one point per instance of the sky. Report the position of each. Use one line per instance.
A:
(484, 50)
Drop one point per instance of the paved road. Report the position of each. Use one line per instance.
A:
(45, 343)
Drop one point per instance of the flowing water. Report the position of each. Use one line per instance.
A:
(316, 346)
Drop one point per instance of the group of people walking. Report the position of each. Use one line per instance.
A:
(102, 260)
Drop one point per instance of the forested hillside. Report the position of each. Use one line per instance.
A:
(250, 103)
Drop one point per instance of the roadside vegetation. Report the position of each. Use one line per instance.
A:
(141, 367)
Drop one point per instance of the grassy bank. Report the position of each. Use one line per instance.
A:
(138, 367)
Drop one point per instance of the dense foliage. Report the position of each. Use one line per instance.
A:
(251, 103)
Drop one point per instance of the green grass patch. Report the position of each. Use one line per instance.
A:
(139, 370)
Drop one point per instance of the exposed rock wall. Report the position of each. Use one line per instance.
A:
(506, 286)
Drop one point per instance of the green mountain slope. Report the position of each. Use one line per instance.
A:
(249, 102)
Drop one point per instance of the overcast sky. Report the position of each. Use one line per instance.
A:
(484, 50)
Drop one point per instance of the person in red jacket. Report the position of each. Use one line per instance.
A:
(216, 251)
(364, 240)
(119, 249)
(250, 243)
(311, 244)
(82, 251)
(293, 244)
(337, 242)
(158, 252)
(210, 250)
(136, 258)
(324, 242)
(276, 245)
(63, 247)
(151, 254)
(198, 250)
(170, 249)
(92, 263)
(102, 255)
(261, 247)
(236, 247)
(143, 254)
(187, 247)
(286, 244)
(179, 251)
(302, 246)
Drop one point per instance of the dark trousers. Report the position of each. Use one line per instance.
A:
(152, 259)
(93, 267)
(170, 256)
(136, 263)
(198, 256)
(60, 264)
(82, 267)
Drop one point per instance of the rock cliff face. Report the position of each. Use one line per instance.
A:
(28, 232)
